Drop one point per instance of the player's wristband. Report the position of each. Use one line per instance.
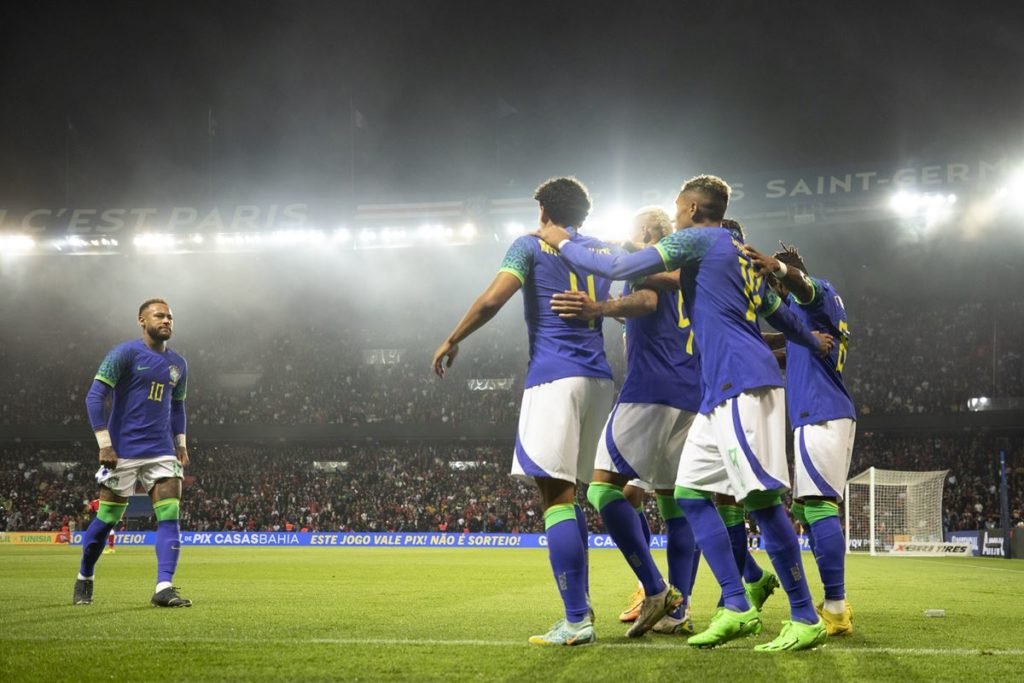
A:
(179, 440)
(782, 270)
(562, 244)
(103, 439)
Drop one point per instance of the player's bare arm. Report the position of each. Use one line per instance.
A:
(108, 457)
(794, 278)
(480, 312)
(825, 342)
(552, 234)
(580, 306)
(664, 282)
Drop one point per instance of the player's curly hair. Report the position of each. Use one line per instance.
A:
(565, 200)
(149, 302)
(790, 256)
(734, 227)
(714, 194)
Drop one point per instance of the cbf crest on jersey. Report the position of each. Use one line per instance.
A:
(175, 375)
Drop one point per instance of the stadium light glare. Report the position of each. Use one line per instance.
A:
(933, 208)
(154, 241)
(342, 235)
(467, 231)
(197, 239)
(514, 229)
(1012, 193)
(367, 235)
(16, 244)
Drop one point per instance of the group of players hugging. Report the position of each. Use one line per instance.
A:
(700, 418)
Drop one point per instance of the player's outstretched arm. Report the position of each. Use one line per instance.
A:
(795, 279)
(616, 267)
(480, 312)
(579, 305)
(662, 282)
(782, 319)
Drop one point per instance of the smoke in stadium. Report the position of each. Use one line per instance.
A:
(684, 305)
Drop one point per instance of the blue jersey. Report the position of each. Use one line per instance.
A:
(145, 382)
(662, 365)
(722, 296)
(559, 348)
(814, 384)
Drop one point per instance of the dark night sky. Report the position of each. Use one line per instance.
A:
(612, 91)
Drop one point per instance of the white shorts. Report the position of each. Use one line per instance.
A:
(739, 447)
(823, 453)
(146, 471)
(636, 483)
(644, 441)
(559, 427)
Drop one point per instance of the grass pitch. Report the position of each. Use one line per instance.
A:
(276, 614)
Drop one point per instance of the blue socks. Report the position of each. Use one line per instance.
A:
(711, 536)
(568, 559)
(680, 551)
(581, 523)
(93, 541)
(830, 554)
(168, 548)
(784, 550)
(644, 526)
(623, 525)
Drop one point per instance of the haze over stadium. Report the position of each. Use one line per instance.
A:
(319, 191)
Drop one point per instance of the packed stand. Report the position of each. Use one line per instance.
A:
(432, 486)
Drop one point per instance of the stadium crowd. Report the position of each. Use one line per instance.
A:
(901, 362)
(431, 486)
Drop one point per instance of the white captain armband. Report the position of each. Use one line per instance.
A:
(179, 440)
(103, 439)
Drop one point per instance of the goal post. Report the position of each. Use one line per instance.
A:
(889, 507)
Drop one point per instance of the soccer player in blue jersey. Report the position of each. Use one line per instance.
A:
(568, 389)
(142, 441)
(824, 423)
(644, 435)
(736, 444)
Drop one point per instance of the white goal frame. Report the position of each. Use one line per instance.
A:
(922, 494)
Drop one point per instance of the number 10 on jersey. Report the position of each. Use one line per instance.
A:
(156, 391)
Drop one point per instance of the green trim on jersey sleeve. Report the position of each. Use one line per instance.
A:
(684, 246)
(815, 286)
(666, 256)
(518, 260)
(516, 273)
(769, 304)
(117, 363)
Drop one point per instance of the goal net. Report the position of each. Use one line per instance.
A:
(884, 507)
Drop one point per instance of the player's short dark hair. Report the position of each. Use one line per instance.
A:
(714, 194)
(790, 256)
(149, 302)
(565, 200)
(734, 227)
